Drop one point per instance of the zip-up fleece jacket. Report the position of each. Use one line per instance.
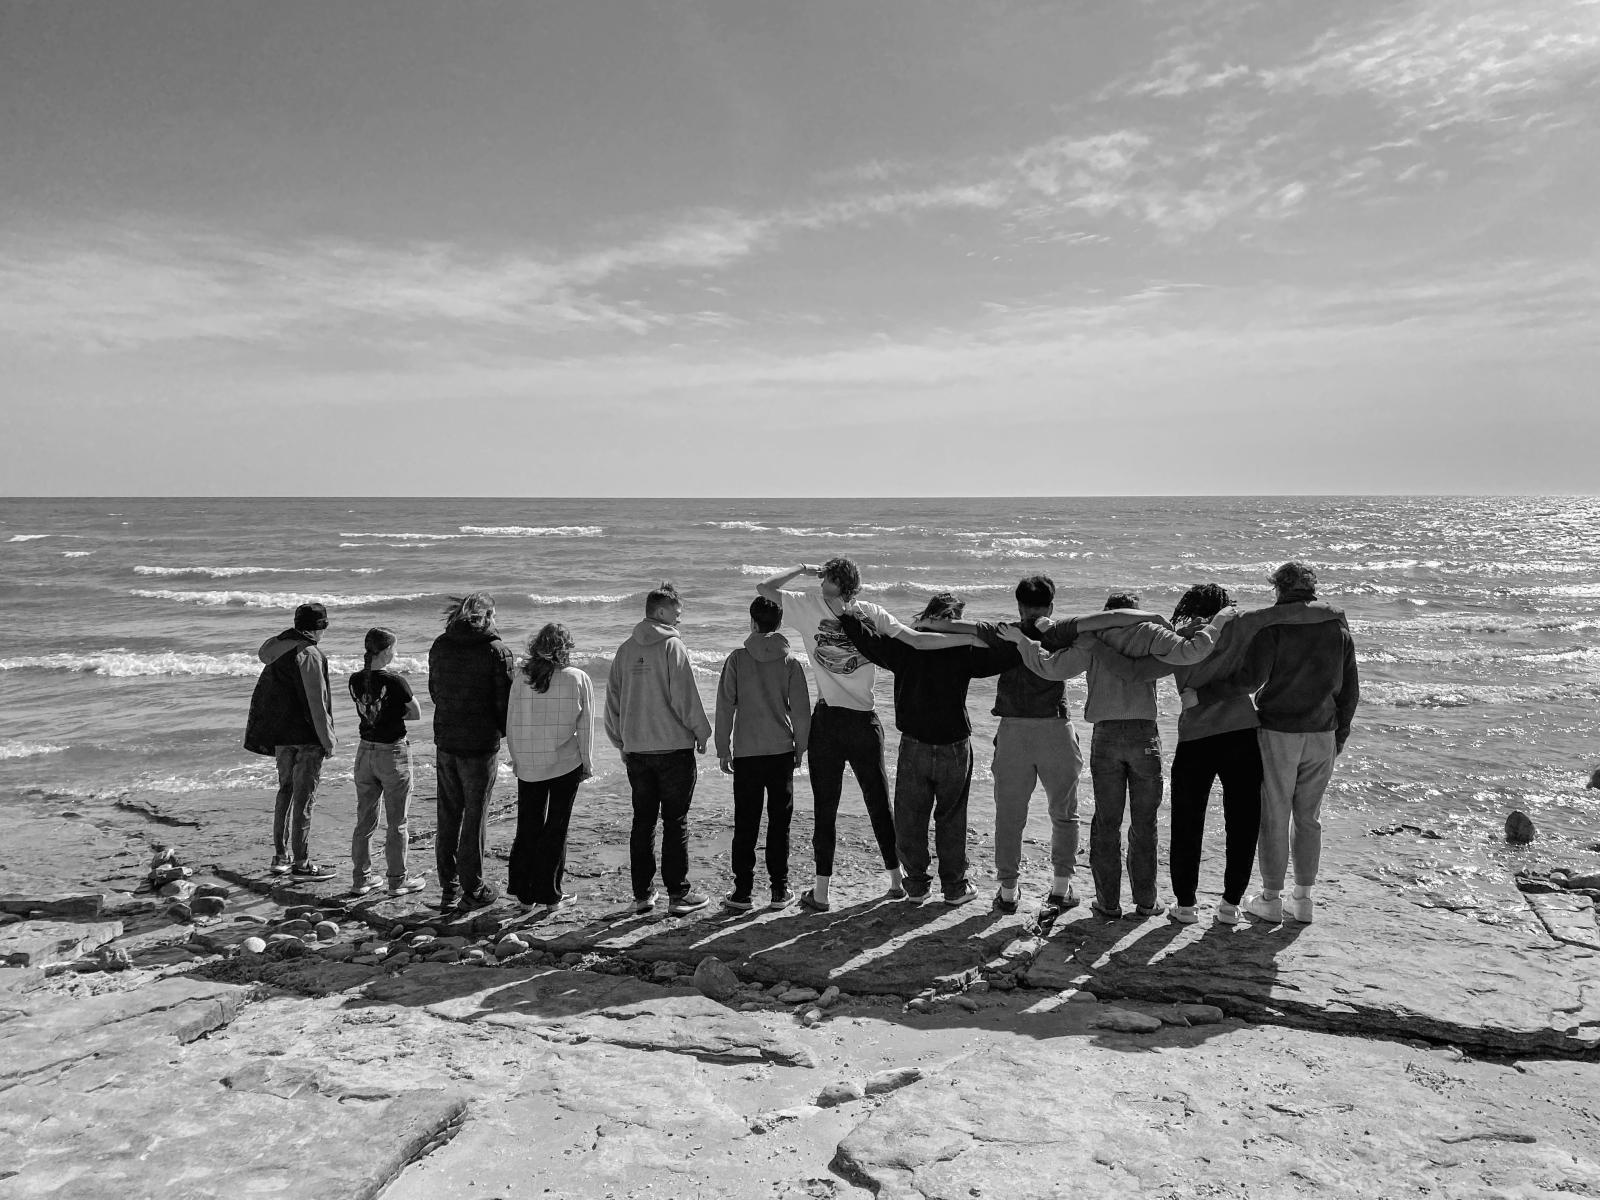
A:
(1306, 676)
(763, 703)
(469, 682)
(292, 704)
(652, 703)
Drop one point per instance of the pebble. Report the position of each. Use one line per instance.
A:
(208, 906)
(253, 945)
(829, 997)
(713, 978)
(1519, 828)
(839, 1093)
(296, 925)
(1122, 1020)
(474, 956)
(215, 890)
(921, 1004)
(327, 930)
(811, 1016)
(891, 1080)
(968, 1003)
(180, 912)
(799, 995)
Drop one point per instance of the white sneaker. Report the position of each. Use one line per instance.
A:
(1227, 914)
(1183, 914)
(1299, 907)
(1263, 909)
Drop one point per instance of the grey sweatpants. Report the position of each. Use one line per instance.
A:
(1030, 750)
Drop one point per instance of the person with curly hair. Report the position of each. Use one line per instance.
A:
(550, 738)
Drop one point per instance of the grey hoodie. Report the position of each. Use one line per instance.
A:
(763, 704)
(652, 703)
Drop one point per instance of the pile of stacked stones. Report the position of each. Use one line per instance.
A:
(170, 879)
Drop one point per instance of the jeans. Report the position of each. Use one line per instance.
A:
(299, 773)
(1235, 759)
(539, 853)
(1029, 750)
(662, 785)
(1125, 766)
(762, 781)
(933, 780)
(840, 737)
(1295, 769)
(383, 772)
(465, 787)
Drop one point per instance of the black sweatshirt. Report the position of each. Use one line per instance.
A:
(930, 686)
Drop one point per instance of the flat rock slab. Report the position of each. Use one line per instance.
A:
(577, 1006)
(1569, 918)
(57, 904)
(179, 1132)
(1373, 963)
(39, 943)
(1251, 1113)
(47, 1035)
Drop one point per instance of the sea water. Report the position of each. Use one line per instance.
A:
(131, 626)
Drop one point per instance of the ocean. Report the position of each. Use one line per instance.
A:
(132, 624)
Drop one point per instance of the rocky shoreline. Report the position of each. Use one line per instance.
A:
(1414, 1041)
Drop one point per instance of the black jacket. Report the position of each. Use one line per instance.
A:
(295, 678)
(930, 686)
(469, 682)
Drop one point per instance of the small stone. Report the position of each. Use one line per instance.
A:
(1081, 997)
(573, 958)
(921, 1004)
(1201, 1014)
(400, 931)
(830, 997)
(1588, 881)
(113, 958)
(978, 986)
(208, 906)
(343, 952)
(397, 960)
(891, 1080)
(215, 890)
(661, 971)
(419, 939)
(327, 930)
(447, 954)
(509, 949)
(811, 1016)
(296, 926)
(274, 939)
(839, 1093)
(715, 979)
(967, 1002)
(300, 912)
(749, 1006)
(1519, 828)
(474, 956)
(1122, 1020)
(1003, 983)
(181, 913)
(799, 995)
(253, 945)
(176, 889)
(1594, 782)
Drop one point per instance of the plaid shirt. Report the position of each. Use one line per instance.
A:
(550, 733)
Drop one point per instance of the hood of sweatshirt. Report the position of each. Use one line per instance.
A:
(652, 633)
(287, 642)
(767, 647)
(467, 634)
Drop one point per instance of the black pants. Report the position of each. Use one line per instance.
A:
(662, 785)
(1235, 759)
(539, 853)
(841, 737)
(762, 781)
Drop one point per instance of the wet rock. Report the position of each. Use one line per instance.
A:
(829, 997)
(180, 912)
(208, 906)
(253, 945)
(1588, 881)
(799, 995)
(1201, 1014)
(326, 930)
(839, 1093)
(177, 889)
(1594, 782)
(215, 890)
(56, 904)
(714, 978)
(967, 1002)
(1519, 828)
(1122, 1020)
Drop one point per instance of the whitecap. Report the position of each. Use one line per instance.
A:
(596, 598)
(76, 553)
(119, 663)
(747, 526)
(234, 572)
(803, 532)
(28, 537)
(275, 599)
(534, 530)
(28, 749)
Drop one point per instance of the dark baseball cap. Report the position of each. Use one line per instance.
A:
(311, 616)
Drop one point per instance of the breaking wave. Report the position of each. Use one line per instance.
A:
(215, 599)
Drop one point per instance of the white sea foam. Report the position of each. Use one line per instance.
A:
(760, 572)
(28, 537)
(118, 663)
(275, 599)
(534, 530)
(596, 598)
(234, 572)
(793, 531)
(747, 526)
(76, 553)
(405, 537)
(28, 749)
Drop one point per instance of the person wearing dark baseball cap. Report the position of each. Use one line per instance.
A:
(291, 718)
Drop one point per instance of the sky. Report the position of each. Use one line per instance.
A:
(767, 248)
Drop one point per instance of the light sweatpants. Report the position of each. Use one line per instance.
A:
(1295, 769)
(1029, 750)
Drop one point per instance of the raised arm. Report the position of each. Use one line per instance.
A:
(772, 589)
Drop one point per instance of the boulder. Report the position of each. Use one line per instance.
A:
(714, 978)
(208, 906)
(1594, 779)
(891, 1080)
(1519, 828)
(1122, 1020)
(839, 1093)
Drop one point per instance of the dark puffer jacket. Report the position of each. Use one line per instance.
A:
(469, 682)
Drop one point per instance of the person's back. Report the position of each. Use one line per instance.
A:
(469, 679)
(1306, 668)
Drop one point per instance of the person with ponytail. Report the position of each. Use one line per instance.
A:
(384, 703)
(550, 737)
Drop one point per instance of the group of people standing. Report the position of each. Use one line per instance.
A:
(1267, 702)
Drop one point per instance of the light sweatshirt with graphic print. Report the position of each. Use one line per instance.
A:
(652, 703)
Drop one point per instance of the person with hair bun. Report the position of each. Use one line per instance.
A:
(550, 738)
(384, 703)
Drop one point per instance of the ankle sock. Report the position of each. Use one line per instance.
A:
(819, 890)
(896, 877)
(1061, 885)
(1008, 893)
(1302, 891)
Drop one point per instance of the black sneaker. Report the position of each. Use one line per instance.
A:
(1056, 903)
(781, 898)
(1001, 904)
(482, 898)
(311, 870)
(809, 901)
(734, 902)
(916, 893)
(449, 897)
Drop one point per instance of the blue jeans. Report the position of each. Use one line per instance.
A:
(465, 787)
(933, 780)
(1125, 765)
(299, 773)
(662, 785)
(383, 772)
